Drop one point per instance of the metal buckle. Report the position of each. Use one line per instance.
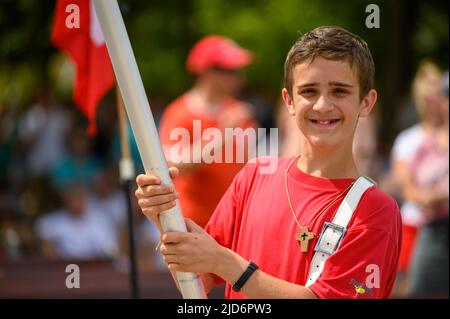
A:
(335, 227)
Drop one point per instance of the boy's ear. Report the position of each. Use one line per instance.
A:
(288, 101)
(367, 103)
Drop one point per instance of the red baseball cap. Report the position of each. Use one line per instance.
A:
(217, 51)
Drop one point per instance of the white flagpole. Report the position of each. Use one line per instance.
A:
(142, 122)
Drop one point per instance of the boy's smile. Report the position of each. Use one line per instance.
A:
(326, 101)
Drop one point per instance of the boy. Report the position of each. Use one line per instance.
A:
(263, 218)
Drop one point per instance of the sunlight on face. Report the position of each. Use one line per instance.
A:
(326, 101)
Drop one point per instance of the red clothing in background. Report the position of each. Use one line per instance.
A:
(200, 190)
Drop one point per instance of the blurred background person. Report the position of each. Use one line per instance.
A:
(146, 240)
(108, 197)
(365, 147)
(430, 178)
(93, 207)
(42, 132)
(77, 164)
(43, 128)
(425, 89)
(77, 230)
(217, 64)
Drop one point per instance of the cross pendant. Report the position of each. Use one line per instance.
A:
(303, 237)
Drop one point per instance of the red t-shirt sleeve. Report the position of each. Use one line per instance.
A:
(228, 213)
(365, 265)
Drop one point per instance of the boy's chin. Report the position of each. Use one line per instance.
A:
(323, 142)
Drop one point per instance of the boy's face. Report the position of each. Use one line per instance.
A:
(326, 102)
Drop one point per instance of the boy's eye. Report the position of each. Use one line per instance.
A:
(308, 91)
(341, 91)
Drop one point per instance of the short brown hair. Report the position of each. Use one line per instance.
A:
(334, 43)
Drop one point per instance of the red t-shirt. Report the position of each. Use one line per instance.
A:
(254, 220)
(200, 190)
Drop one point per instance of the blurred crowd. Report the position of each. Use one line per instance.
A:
(60, 193)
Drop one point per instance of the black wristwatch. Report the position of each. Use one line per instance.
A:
(252, 267)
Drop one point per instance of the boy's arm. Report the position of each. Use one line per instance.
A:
(366, 246)
(197, 251)
(260, 285)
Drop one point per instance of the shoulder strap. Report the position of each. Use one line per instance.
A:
(332, 233)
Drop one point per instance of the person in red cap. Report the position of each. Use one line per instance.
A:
(216, 61)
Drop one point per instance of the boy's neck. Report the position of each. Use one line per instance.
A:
(327, 162)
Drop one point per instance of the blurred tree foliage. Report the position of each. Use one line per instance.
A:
(162, 32)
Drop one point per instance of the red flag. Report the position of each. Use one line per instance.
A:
(77, 32)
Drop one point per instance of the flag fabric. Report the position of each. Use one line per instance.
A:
(77, 32)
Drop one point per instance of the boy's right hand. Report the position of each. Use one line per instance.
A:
(153, 197)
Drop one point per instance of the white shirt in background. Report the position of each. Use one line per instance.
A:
(405, 146)
(90, 236)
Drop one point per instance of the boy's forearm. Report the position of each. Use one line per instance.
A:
(260, 284)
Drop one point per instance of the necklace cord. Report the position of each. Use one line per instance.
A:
(290, 202)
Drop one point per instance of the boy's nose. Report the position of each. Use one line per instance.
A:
(323, 104)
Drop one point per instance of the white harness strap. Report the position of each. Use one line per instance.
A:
(332, 233)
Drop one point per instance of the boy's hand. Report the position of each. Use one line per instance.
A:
(194, 251)
(153, 197)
